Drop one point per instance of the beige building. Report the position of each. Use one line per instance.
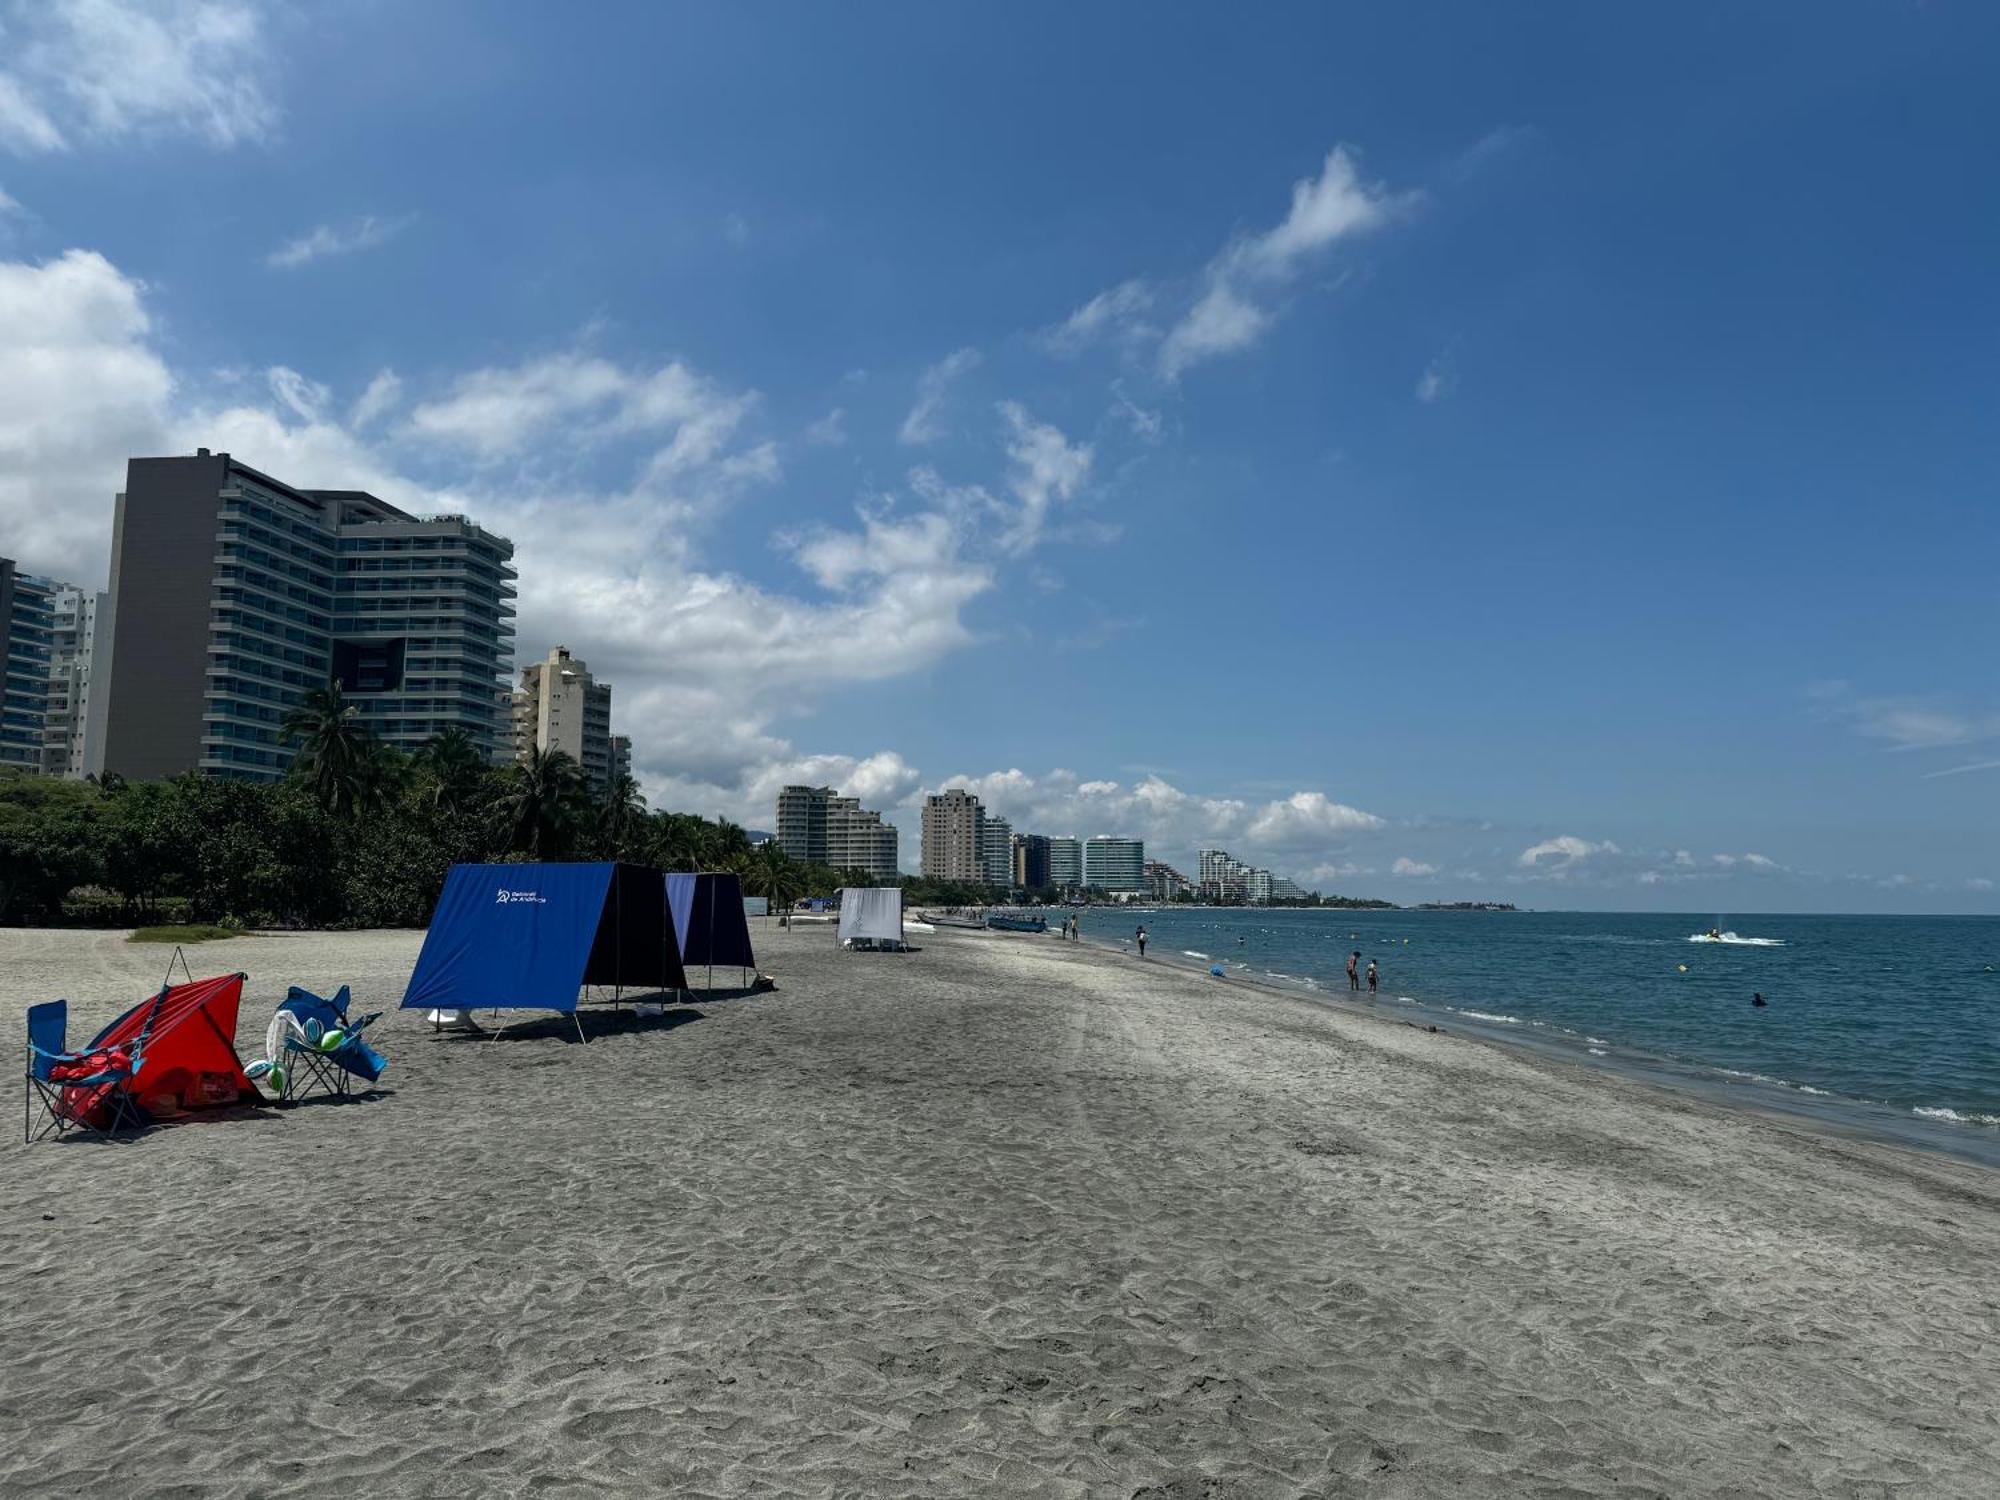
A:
(560, 706)
(819, 826)
(952, 846)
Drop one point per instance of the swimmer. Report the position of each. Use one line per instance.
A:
(1757, 1000)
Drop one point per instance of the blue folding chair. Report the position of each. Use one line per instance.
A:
(312, 1065)
(48, 1028)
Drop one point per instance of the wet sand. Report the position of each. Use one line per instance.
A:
(1005, 1216)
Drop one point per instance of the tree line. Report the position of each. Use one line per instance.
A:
(356, 834)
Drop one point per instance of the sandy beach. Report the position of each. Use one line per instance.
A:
(1004, 1216)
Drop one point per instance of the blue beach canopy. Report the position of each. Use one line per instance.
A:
(709, 924)
(529, 937)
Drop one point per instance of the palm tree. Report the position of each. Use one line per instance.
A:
(381, 777)
(454, 764)
(621, 814)
(773, 875)
(333, 745)
(549, 799)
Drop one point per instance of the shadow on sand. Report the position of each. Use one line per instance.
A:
(588, 1022)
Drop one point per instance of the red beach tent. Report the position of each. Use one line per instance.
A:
(185, 1042)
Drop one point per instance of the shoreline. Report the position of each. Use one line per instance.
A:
(1835, 1114)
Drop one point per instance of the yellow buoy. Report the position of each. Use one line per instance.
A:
(1684, 968)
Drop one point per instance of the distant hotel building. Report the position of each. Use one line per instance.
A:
(1225, 878)
(1114, 864)
(817, 825)
(74, 727)
(560, 706)
(1164, 882)
(952, 849)
(1031, 861)
(27, 645)
(996, 849)
(234, 594)
(1066, 863)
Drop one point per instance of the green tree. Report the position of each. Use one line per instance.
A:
(333, 747)
(775, 875)
(621, 817)
(549, 802)
(451, 766)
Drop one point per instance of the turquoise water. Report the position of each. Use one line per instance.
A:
(1881, 1019)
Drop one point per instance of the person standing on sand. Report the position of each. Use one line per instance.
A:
(1354, 971)
(1371, 978)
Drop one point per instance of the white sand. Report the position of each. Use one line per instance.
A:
(1004, 1216)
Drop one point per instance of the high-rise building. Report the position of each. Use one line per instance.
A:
(1164, 882)
(1283, 889)
(801, 822)
(74, 725)
(1114, 864)
(951, 837)
(1222, 877)
(621, 756)
(818, 825)
(1066, 863)
(234, 594)
(1257, 886)
(27, 639)
(858, 839)
(1031, 861)
(996, 850)
(560, 706)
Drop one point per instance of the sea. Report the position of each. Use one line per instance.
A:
(1886, 1027)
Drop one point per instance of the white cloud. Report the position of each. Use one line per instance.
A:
(104, 70)
(1969, 766)
(1306, 820)
(925, 422)
(1230, 314)
(1118, 313)
(326, 240)
(1414, 869)
(830, 431)
(1439, 379)
(9, 205)
(383, 392)
(1048, 469)
(1562, 853)
(1904, 722)
(583, 401)
(24, 125)
(83, 391)
(1979, 883)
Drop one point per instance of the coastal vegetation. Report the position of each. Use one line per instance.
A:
(357, 834)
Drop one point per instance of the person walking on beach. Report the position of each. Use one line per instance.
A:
(1371, 978)
(1354, 971)
(1142, 940)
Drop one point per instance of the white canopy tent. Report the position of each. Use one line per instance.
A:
(871, 915)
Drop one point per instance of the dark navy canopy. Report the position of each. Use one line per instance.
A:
(529, 937)
(709, 923)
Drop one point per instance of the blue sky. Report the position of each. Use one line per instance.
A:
(1452, 452)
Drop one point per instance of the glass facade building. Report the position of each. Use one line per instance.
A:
(234, 594)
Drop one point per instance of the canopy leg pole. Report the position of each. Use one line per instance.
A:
(577, 1022)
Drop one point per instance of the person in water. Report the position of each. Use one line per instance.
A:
(1715, 934)
(1371, 977)
(1757, 1000)
(1142, 940)
(1354, 970)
